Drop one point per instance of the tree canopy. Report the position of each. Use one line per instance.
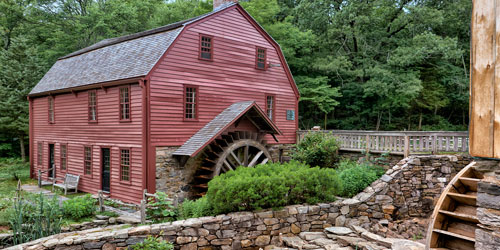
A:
(359, 64)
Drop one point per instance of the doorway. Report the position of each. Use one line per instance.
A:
(106, 159)
(52, 165)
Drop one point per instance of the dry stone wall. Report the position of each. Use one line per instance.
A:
(407, 189)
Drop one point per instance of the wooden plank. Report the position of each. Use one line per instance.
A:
(470, 183)
(463, 198)
(461, 216)
(482, 78)
(496, 90)
(454, 235)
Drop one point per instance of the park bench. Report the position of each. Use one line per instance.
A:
(70, 182)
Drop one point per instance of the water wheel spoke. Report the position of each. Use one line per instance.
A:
(255, 159)
(265, 161)
(227, 165)
(236, 158)
(245, 158)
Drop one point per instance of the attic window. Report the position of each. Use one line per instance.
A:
(125, 103)
(92, 106)
(190, 102)
(260, 58)
(206, 47)
(51, 109)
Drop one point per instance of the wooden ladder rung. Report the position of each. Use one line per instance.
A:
(463, 198)
(470, 183)
(465, 217)
(454, 235)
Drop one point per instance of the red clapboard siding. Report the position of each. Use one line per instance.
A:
(72, 128)
(230, 77)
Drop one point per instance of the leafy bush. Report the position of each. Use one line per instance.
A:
(317, 149)
(153, 243)
(194, 209)
(160, 208)
(356, 177)
(79, 207)
(271, 185)
(35, 217)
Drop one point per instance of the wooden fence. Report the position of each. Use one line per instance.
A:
(396, 142)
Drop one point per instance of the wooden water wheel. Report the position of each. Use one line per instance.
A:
(232, 150)
(454, 221)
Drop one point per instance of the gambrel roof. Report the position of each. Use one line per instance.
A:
(114, 59)
(222, 121)
(128, 57)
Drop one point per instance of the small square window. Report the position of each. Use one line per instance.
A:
(260, 59)
(206, 47)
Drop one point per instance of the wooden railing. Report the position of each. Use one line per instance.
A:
(404, 142)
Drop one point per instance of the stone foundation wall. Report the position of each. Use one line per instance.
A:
(382, 160)
(408, 189)
(488, 202)
(174, 179)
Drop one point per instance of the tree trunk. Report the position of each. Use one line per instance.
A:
(420, 121)
(379, 117)
(21, 144)
(389, 116)
(326, 116)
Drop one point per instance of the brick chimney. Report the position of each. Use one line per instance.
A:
(218, 3)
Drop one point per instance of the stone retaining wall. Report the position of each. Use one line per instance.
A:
(408, 189)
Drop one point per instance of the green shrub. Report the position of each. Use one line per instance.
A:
(271, 185)
(194, 209)
(160, 208)
(356, 177)
(317, 149)
(79, 207)
(153, 243)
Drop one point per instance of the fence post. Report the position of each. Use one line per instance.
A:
(367, 144)
(434, 144)
(39, 178)
(407, 146)
(143, 211)
(101, 201)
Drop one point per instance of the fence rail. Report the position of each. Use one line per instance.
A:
(396, 142)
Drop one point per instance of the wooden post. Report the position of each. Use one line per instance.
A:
(407, 146)
(367, 144)
(143, 211)
(101, 200)
(39, 178)
(434, 144)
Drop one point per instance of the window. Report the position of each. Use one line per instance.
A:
(87, 160)
(92, 106)
(125, 164)
(190, 102)
(206, 47)
(260, 59)
(125, 103)
(51, 109)
(39, 154)
(64, 156)
(270, 104)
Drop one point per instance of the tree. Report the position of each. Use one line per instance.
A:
(20, 70)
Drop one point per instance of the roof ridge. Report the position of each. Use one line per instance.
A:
(115, 40)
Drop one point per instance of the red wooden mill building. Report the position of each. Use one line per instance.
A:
(165, 109)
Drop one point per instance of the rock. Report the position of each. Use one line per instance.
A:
(183, 240)
(386, 178)
(266, 214)
(340, 221)
(271, 221)
(311, 235)
(302, 210)
(350, 202)
(246, 243)
(128, 220)
(142, 230)
(102, 217)
(387, 242)
(344, 210)
(219, 242)
(112, 220)
(190, 246)
(489, 217)
(323, 242)
(407, 245)
(92, 245)
(294, 242)
(108, 246)
(487, 240)
(133, 240)
(338, 230)
(295, 229)
(263, 240)
(488, 201)
(388, 209)
(50, 243)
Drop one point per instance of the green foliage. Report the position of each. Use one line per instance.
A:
(195, 209)
(79, 207)
(34, 217)
(317, 149)
(356, 177)
(153, 243)
(160, 208)
(271, 186)
(108, 213)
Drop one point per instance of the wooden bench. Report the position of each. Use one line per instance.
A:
(70, 182)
